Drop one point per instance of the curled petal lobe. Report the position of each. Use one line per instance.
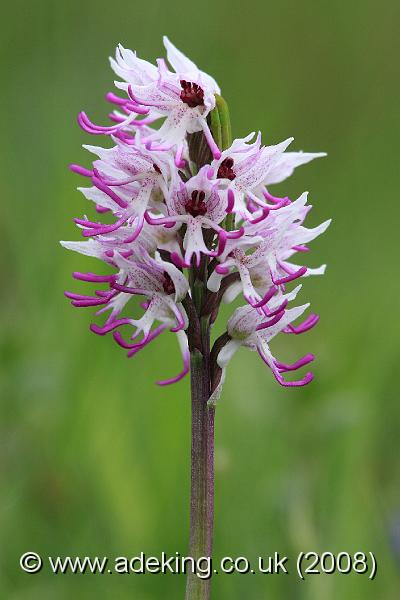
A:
(183, 344)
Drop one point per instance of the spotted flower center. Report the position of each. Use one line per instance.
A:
(195, 205)
(191, 94)
(225, 170)
(168, 284)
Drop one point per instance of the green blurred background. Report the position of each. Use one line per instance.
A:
(94, 457)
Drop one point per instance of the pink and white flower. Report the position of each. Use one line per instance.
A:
(272, 241)
(183, 97)
(128, 180)
(249, 168)
(199, 206)
(246, 166)
(160, 282)
(248, 328)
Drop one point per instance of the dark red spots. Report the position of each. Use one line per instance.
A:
(195, 205)
(156, 168)
(168, 284)
(192, 94)
(225, 170)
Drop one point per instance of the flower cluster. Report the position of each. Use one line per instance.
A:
(190, 221)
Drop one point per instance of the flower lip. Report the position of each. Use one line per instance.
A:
(225, 170)
(192, 94)
(195, 205)
(168, 284)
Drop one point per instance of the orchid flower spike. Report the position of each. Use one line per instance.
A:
(190, 222)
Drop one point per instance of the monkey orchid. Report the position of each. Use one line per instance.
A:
(248, 328)
(190, 222)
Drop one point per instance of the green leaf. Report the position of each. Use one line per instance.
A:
(215, 126)
(225, 122)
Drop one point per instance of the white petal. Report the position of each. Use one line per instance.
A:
(279, 298)
(89, 248)
(251, 172)
(287, 163)
(102, 153)
(232, 292)
(303, 235)
(227, 352)
(131, 68)
(180, 62)
(214, 281)
(98, 197)
(317, 271)
(184, 66)
(218, 390)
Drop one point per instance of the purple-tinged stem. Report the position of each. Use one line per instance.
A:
(202, 472)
